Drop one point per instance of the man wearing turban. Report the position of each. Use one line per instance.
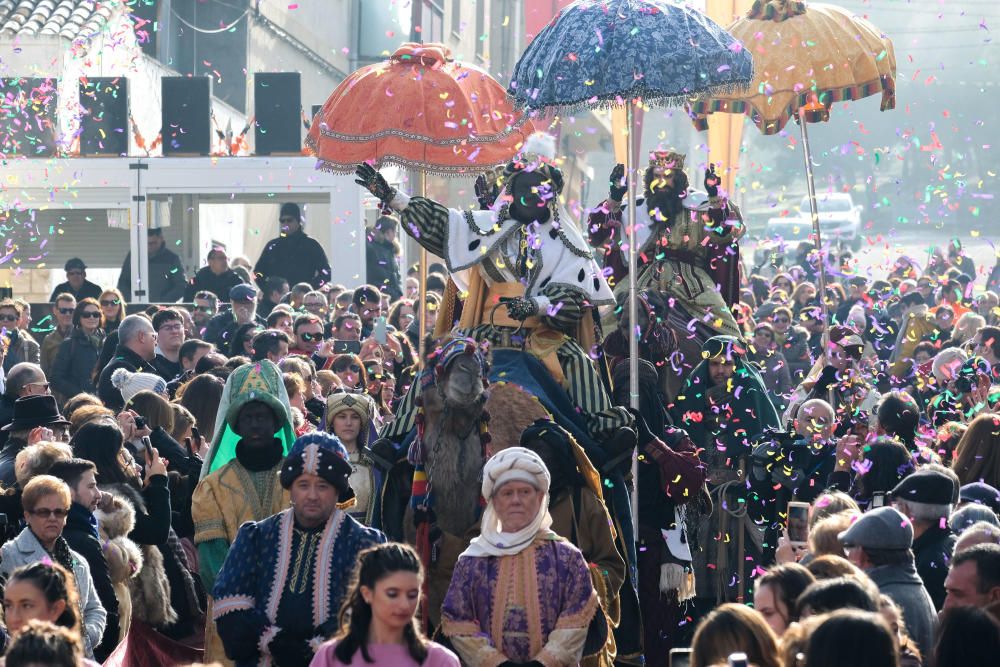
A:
(240, 475)
(520, 593)
(279, 591)
(725, 408)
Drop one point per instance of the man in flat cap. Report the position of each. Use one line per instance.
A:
(927, 498)
(880, 543)
(278, 594)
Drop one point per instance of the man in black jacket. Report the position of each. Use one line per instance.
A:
(217, 278)
(294, 255)
(167, 281)
(135, 352)
(82, 536)
(76, 282)
(382, 257)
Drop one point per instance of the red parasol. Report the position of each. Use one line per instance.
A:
(419, 109)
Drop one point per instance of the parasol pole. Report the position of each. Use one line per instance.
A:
(633, 305)
(422, 273)
(814, 213)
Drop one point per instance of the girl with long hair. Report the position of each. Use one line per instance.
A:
(377, 617)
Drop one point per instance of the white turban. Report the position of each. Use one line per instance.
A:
(514, 464)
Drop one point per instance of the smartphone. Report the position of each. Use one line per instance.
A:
(347, 347)
(738, 660)
(878, 500)
(680, 657)
(798, 523)
(381, 331)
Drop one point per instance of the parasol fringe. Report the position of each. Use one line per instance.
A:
(346, 169)
(701, 109)
(430, 141)
(650, 97)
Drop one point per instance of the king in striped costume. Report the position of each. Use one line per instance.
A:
(527, 275)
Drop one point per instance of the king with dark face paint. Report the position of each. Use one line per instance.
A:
(687, 246)
(532, 274)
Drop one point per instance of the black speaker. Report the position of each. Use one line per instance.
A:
(186, 120)
(104, 126)
(277, 106)
(28, 116)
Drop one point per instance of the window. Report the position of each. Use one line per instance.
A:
(481, 31)
(428, 21)
(456, 17)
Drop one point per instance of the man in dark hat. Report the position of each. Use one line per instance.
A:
(242, 310)
(30, 413)
(167, 281)
(76, 282)
(926, 497)
(294, 255)
(880, 543)
(288, 611)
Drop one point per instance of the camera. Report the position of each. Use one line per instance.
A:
(140, 423)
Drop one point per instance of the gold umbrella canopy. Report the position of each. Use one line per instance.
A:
(806, 56)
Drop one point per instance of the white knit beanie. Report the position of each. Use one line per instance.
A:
(130, 384)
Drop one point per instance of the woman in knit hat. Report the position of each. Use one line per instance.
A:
(349, 417)
(130, 384)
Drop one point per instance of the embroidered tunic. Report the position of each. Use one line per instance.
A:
(691, 257)
(534, 605)
(278, 576)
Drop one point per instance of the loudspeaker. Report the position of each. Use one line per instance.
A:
(104, 126)
(28, 123)
(186, 119)
(277, 106)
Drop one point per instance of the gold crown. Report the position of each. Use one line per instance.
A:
(667, 158)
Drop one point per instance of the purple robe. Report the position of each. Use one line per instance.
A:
(535, 605)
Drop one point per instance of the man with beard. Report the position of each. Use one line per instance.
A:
(279, 591)
(531, 280)
(685, 248)
(724, 408)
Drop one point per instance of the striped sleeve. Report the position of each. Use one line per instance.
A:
(561, 307)
(588, 394)
(427, 222)
(405, 415)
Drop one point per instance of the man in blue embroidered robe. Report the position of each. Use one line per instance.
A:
(279, 591)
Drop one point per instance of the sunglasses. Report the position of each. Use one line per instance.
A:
(8, 318)
(110, 302)
(45, 513)
(66, 311)
(310, 337)
(90, 314)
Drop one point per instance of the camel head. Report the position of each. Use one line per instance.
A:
(459, 374)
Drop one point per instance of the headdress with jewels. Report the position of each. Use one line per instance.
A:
(667, 159)
(538, 153)
(338, 402)
(258, 381)
(320, 454)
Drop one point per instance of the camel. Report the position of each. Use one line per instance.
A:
(455, 445)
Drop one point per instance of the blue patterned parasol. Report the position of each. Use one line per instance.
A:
(603, 52)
